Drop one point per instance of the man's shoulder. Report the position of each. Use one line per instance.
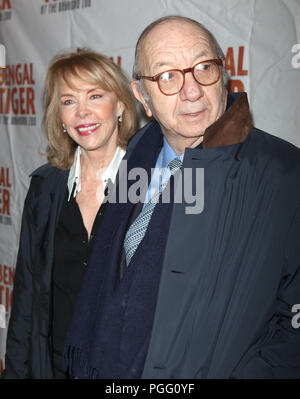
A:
(139, 134)
(272, 149)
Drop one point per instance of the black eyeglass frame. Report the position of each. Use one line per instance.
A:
(155, 78)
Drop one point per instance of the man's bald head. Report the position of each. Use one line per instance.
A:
(142, 40)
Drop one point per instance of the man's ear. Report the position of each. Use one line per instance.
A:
(139, 96)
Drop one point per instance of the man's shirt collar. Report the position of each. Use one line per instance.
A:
(168, 154)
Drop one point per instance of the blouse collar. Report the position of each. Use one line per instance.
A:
(110, 172)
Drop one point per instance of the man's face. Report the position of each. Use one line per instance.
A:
(184, 116)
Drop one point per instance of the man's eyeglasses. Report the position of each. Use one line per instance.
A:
(170, 82)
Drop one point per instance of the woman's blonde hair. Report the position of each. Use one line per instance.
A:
(99, 70)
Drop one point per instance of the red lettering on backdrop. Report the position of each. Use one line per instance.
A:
(7, 277)
(4, 177)
(235, 85)
(4, 202)
(22, 110)
(30, 101)
(241, 71)
(7, 102)
(119, 60)
(5, 5)
(19, 100)
(2, 91)
(6, 297)
(10, 74)
(14, 102)
(18, 74)
(4, 192)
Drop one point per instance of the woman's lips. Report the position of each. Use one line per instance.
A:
(87, 129)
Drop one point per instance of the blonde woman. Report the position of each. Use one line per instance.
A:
(89, 117)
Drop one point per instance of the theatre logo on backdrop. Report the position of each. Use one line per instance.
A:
(17, 95)
(58, 6)
(235, 62)
(5, 10)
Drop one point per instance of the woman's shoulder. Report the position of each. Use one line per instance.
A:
(48, 170)
(48, 176)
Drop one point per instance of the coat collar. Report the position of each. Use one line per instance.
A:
(233, 126)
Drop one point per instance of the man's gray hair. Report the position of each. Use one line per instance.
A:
(136, 67)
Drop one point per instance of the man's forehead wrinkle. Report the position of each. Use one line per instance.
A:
(168, 60)
(175, 46)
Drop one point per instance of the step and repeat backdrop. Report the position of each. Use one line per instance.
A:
(260, 38)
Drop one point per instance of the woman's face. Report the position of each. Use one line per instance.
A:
(90, 114)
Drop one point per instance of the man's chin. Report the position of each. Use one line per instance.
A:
(193, 135)
(193, 140)
(197, 140)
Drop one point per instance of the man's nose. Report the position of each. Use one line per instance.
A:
(191, 90)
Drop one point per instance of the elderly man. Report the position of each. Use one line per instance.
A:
(206, 294)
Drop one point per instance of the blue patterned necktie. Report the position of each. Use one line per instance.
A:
(137, 230)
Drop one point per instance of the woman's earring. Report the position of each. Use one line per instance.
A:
(120, 118)
(64, 128)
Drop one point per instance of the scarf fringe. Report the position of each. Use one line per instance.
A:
(75, 362)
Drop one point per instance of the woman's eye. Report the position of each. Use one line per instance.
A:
(96, 96)
(67, 102)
